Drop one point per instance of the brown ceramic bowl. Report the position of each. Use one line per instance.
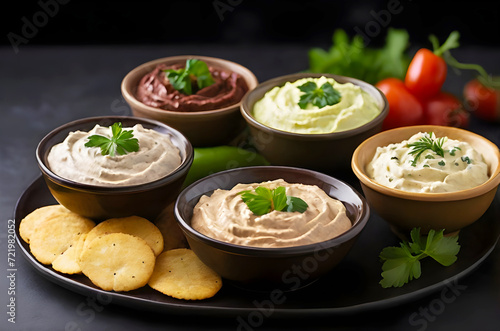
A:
(202, 128)
(323, 152)
(407, 210)
(103, 202)
(269, 268)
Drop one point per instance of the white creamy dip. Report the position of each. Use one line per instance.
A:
(224, 216)
(460, 168)
(156, 158)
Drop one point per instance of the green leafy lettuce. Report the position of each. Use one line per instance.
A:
(353, 58)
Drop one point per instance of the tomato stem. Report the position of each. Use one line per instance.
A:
(485, 79)
(450, 43)
(444, 51)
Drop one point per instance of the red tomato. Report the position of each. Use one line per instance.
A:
(445, 109)
(404, 108)
(426, 74)
(482, 101)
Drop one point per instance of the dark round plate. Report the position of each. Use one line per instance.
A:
(350, 288)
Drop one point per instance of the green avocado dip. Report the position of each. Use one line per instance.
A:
(304, 107)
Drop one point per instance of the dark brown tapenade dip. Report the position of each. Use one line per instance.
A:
(156, 91)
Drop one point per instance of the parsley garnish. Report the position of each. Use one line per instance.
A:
(195, 73)
(425, 143)
(402, 264)
(319, 97)
(265, 200)
(121, 142)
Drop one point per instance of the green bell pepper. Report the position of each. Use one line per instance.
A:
(209, 160)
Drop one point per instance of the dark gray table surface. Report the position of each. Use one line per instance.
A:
(43, 87)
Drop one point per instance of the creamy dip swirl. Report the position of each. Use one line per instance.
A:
(461, 168)
(155, 90)
(224, 216)
(279, 108)
(156, 157)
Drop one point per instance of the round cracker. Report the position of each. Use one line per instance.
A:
(69, 261)
(133, 225)
(33, 220)
(56, 235)
(179, 273)
(118, 262)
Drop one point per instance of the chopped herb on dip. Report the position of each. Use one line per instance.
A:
(428, 164)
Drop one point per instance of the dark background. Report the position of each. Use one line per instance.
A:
(242, 22)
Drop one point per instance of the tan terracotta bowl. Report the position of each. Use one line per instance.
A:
(406, 210)
(202, 128)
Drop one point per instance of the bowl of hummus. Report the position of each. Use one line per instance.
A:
(313, 121)
(432, 177)
(197, 95)
(114, 166)
(268, 227)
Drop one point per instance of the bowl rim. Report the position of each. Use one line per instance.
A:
(356, 228)
(264, 87)
(492, 182)
(129, 96)
(170, 177)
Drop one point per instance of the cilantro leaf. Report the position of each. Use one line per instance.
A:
(417, 244)
(195, 71)
(180, 80)
(444, 249)
(121, 142)
(402, 264)
(319, 97)
(200, 70)
(279, 198)
(260, 200)
(100, 141)
(265, 200)
(296, 204)
(398, 272)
